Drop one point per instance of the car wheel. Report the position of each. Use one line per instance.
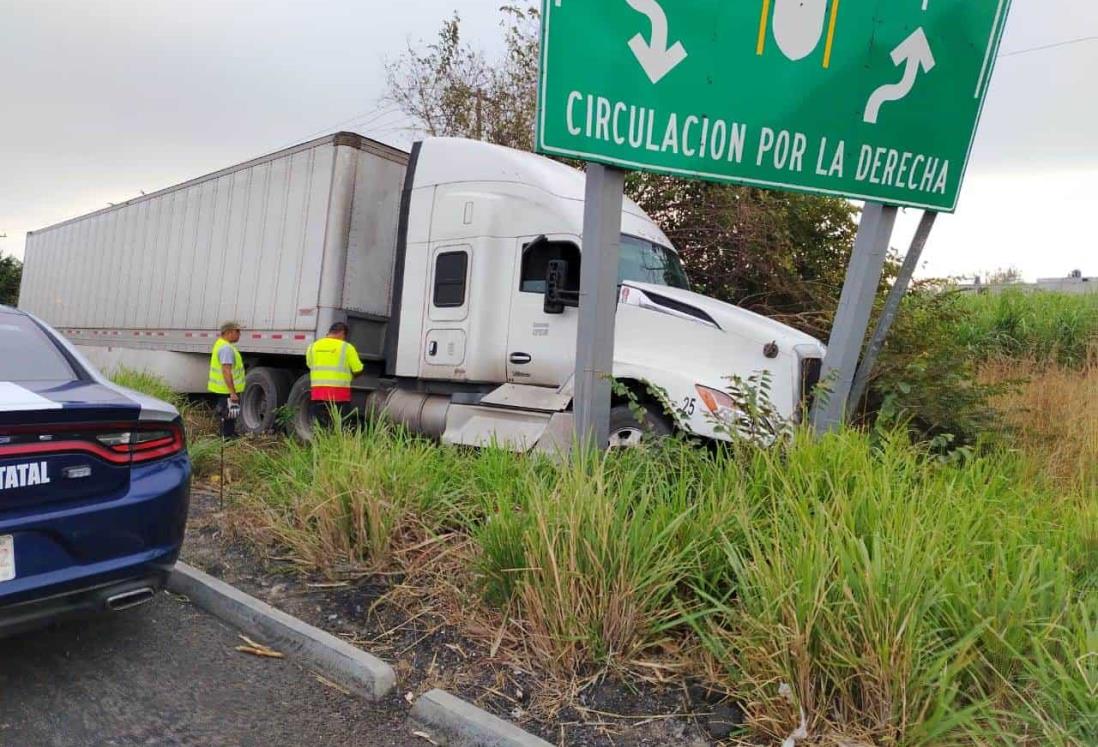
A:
(265, 391)
(627, 431)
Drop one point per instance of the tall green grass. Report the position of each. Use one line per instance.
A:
(344, 499)
(901, 598)
(148, 383)
(1040, 326)
(905, 601)
(596, 553)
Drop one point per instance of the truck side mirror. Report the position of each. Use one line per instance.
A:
(556, 297)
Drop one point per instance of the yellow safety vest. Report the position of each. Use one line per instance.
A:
(332, 363)
(217, 378)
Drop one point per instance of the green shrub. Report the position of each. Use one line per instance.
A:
(927, 371)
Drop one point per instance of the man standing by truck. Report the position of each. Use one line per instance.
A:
(227, 377)
(333, 364)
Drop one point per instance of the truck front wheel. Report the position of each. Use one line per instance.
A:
(627, 430)
(265, 391)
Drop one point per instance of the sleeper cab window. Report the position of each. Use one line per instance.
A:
(451, 270)
(535, 265)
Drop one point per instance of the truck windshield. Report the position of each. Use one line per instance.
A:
(645, 262)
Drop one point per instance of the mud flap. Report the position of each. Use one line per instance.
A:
(559, 436)
(515, 430)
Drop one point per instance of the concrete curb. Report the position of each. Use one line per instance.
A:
(343, 663)
(465, 725)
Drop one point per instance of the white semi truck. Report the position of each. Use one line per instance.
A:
(456, 267)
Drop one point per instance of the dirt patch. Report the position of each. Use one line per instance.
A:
(416, 635)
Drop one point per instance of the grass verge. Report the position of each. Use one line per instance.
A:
(856, 586)
(898, 597)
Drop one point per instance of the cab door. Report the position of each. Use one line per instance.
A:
(541, 347)
(446, 329)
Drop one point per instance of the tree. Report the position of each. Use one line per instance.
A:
(1003, 276)
(449, 89)
(11, 273)
(778, 253)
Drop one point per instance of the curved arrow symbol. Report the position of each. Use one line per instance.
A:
(915, 52)
(656, 58)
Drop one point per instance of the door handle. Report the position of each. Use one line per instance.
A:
(432, 348)
(521, 359)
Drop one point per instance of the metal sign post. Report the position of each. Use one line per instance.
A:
(891, 308)
(863, 276)
(598, 302)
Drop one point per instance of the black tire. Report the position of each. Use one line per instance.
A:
(627, 431)
(266, 391)
(301, 412)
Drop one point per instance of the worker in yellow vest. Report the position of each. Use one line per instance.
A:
(227, 377)
(333, 364)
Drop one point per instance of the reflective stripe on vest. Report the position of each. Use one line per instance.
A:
(216, 384)
(328, 368)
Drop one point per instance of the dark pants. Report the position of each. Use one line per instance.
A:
(324, 412)
(228, 426)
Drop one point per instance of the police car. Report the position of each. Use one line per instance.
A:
(94, 483)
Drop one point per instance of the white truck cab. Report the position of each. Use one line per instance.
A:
(484, 223)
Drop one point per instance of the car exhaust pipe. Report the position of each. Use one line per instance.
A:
(129, 599)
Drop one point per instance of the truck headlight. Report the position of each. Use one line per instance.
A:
(717, 402)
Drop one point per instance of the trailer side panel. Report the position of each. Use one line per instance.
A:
(164, 270)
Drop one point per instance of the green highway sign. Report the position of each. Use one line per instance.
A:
(869, 99)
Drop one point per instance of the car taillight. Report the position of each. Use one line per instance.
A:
(157, 444)
(119, 444)
(145, 445)
(118, 441)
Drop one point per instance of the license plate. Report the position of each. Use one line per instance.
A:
(7, 557)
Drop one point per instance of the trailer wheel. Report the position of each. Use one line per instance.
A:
(266, 390)
(627, 431)
(299, 404)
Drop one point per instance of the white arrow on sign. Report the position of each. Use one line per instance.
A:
(656, 58)
(915, 52)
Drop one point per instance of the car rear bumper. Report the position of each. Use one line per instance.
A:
(72, 559)
(113, 596)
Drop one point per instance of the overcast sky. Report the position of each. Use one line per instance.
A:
(100, 99)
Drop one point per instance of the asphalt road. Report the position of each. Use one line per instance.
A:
(167, 674)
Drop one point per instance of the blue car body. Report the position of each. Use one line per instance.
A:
(94, 484)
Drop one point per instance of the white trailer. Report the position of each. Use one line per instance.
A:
(439, 260)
